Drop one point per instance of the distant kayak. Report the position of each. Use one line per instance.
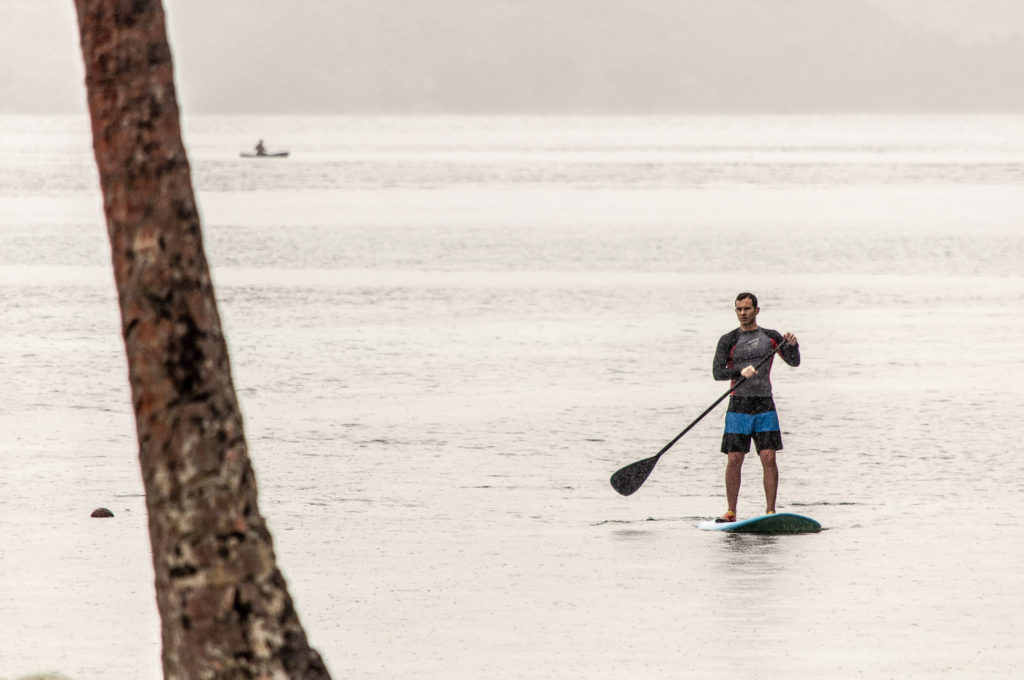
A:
(250, 154)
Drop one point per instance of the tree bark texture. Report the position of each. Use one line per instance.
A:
(224, 605)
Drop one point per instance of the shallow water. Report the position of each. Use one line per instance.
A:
(446, 333)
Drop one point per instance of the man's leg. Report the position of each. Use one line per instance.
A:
(771, 478)
(732, 478)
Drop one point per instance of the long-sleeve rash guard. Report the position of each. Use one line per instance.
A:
(738, 349)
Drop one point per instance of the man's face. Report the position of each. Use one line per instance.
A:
(746, 312)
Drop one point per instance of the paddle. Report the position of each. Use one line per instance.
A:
(630, 478)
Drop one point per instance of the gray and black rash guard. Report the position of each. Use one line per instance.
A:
(738, 349)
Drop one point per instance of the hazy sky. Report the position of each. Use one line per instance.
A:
(549, 55)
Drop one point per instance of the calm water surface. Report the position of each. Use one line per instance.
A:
(446, 333)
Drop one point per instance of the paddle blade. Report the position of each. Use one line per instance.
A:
(632, 477)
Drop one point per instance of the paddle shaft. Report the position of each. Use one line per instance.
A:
(630, 478)
(718, 401)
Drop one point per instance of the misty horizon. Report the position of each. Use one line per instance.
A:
(570, 56)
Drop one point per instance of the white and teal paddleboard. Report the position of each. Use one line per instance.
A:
(779, 523)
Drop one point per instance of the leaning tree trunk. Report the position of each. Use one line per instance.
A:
(224, 605)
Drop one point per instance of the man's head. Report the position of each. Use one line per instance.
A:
(746, 310)
(748, 296)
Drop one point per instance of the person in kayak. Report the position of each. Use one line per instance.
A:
(260, 149)
(751, 414)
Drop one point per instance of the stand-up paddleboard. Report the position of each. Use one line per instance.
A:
(779, 523)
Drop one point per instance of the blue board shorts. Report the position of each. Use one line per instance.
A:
(751, 418)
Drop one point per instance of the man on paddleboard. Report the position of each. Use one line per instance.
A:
(751, 413)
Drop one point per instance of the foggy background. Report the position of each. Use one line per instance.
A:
(549, 56)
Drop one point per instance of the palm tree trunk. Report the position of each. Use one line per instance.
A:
(224, 605)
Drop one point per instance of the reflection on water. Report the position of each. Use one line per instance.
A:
(750, 545)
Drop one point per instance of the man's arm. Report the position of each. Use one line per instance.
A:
(790, 351)
(720, 367)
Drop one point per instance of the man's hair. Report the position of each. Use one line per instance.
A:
(744, 296)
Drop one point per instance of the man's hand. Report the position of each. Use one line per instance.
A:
(790, 339)
(748, 371)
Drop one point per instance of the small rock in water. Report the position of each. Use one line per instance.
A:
(102, 512)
